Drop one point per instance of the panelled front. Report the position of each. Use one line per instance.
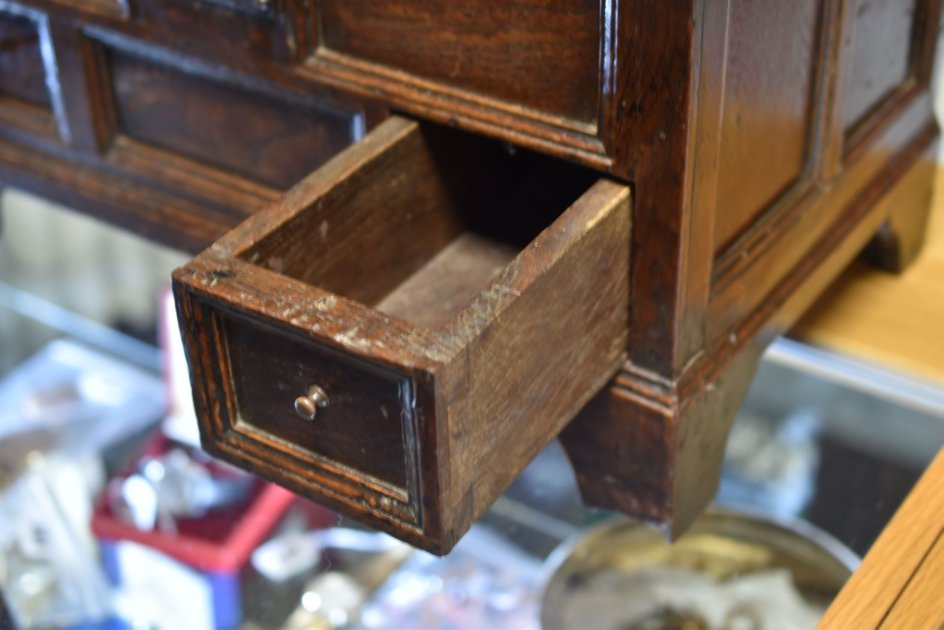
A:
(803, 134)
(539, 74)
(271, 138)
(545, 76)
(876, 72)
(191, 102)
(768, 107)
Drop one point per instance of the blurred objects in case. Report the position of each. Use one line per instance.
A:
(771, 463)
(181, 421)
(73, 400)
(176, 533)
(49, 574)
(64, 413)
(485, 582)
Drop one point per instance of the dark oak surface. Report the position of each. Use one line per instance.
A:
(765, 143)
(877, 71)
(431, 297)
(271, 140)
(22, 75)
(765, 130)
(534, 53)
(361, 424)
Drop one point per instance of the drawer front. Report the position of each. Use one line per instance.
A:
(446, 307)
(357, 454)
(362, 422)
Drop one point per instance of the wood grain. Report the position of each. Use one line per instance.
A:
(84, 112)
(73, 153)
(23, 120)
(150, 211)
(900, 580)
(108, 9)
(432, 296)
(658, 74)
(540, 342)
(497, 48)
(271, 140)
(360, 252)
(920, 604)
(744, 281)
(768, 108)
(916, 51)
(632, 447)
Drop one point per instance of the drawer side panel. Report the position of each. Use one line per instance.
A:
(555, 330)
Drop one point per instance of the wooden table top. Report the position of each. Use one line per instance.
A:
(889, 320)
(900, 583)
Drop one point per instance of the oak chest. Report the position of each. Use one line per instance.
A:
(435, 236)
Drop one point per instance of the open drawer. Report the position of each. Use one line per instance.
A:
(409, 325)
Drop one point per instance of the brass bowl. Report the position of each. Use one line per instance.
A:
(732, 569)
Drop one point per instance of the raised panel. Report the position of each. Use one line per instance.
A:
(539, 54)
(880, 54)
(767, 113)
(224, 30)
(271, 138)
(22, 73)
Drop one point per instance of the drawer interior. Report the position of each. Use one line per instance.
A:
(421, 244)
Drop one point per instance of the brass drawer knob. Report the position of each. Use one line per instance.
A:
(307, 406)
